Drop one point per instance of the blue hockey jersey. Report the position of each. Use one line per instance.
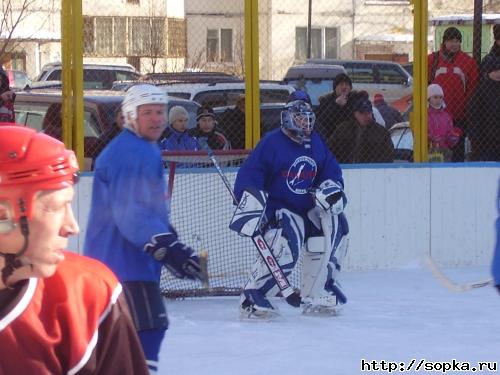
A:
(128, 207)
(287, 170)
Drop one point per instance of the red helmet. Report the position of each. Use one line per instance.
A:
(31, 162)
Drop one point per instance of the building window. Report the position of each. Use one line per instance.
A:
(119, 36)
(212, 45)
(387, 2)
(324, 43)
(177, 43)
(226, 45)
(219, 45)
(88, 35)
(104, 36)
(124, 36)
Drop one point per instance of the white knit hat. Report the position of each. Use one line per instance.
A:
(434, 90)
(176, 113)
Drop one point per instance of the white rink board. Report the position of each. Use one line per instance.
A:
(396, 213)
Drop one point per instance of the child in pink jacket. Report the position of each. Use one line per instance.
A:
(442, 134)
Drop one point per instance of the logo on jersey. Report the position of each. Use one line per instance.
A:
(301, 174)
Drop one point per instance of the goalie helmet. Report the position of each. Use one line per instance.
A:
(298, 119)
(31, 162)
(139, 95)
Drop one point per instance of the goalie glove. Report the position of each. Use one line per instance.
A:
(177, 257)
(248, 215)
(330, 197)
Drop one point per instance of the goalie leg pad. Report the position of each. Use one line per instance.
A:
(285, 237)
(322, 263)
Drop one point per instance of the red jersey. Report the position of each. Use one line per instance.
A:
(458, 78)
(75, 321)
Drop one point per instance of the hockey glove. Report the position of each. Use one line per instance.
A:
(330, 197)
(177, 257)
(249, 213)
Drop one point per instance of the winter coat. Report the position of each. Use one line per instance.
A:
(390, 115)
(352, 143)
(441, 131)
(175, 140)
(458, 76)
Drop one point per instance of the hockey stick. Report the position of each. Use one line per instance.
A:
(258, 240)
(448, 283)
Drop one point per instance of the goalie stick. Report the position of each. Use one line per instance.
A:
(258, 240)
(448, 283)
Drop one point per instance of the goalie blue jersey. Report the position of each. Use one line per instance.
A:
(287, 171)
(128, 207)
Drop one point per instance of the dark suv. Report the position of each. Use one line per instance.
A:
(41, 110)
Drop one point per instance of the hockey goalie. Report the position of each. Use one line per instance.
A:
(290, 190)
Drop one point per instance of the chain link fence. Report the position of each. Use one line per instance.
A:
(346, 55)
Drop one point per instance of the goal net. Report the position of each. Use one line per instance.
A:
(201, 209)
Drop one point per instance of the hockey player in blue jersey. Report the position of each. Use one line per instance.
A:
(128, 227)
(303, 183)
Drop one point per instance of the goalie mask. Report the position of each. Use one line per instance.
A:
(297, 120)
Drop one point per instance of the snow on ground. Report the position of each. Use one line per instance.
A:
(393, 315)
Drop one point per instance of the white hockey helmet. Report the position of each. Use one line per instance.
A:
(139, 95)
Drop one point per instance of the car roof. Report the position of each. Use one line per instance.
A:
(196, 87)
(101, 96)
(94, 66)
(314, 71)
(342, 62)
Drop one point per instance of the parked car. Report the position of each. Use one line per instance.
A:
(315, 79)
(375, 76)
(402, 139)
(95, 76)
(18, 79)
(41, 110)
(193, 77)
(227, 93)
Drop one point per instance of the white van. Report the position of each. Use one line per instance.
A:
(375, 76)
(226, 93)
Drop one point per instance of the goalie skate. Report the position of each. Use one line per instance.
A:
(254, 306)
(328, 302)
(321, 306)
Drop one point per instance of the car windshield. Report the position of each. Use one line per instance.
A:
(315, 88)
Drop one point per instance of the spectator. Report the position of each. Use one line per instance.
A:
(232, 123)
(60, 313)
(176, 136)
(205, 128)
(441, 132)
(361, 139)
(336, 107)
(52, 122)
(457, 73)
(390, 114)
(484, 114)
(7, 98)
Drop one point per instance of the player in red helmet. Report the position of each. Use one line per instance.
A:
(59, 312)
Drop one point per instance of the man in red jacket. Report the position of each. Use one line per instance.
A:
(457, 73)
(60, 313)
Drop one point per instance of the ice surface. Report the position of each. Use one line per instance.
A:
(393, 315)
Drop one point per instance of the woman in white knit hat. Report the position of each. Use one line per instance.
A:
(177, 136)
(442, 134)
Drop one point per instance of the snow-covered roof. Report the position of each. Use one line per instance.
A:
(463, 19)
(27, 34)
(394, 37)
